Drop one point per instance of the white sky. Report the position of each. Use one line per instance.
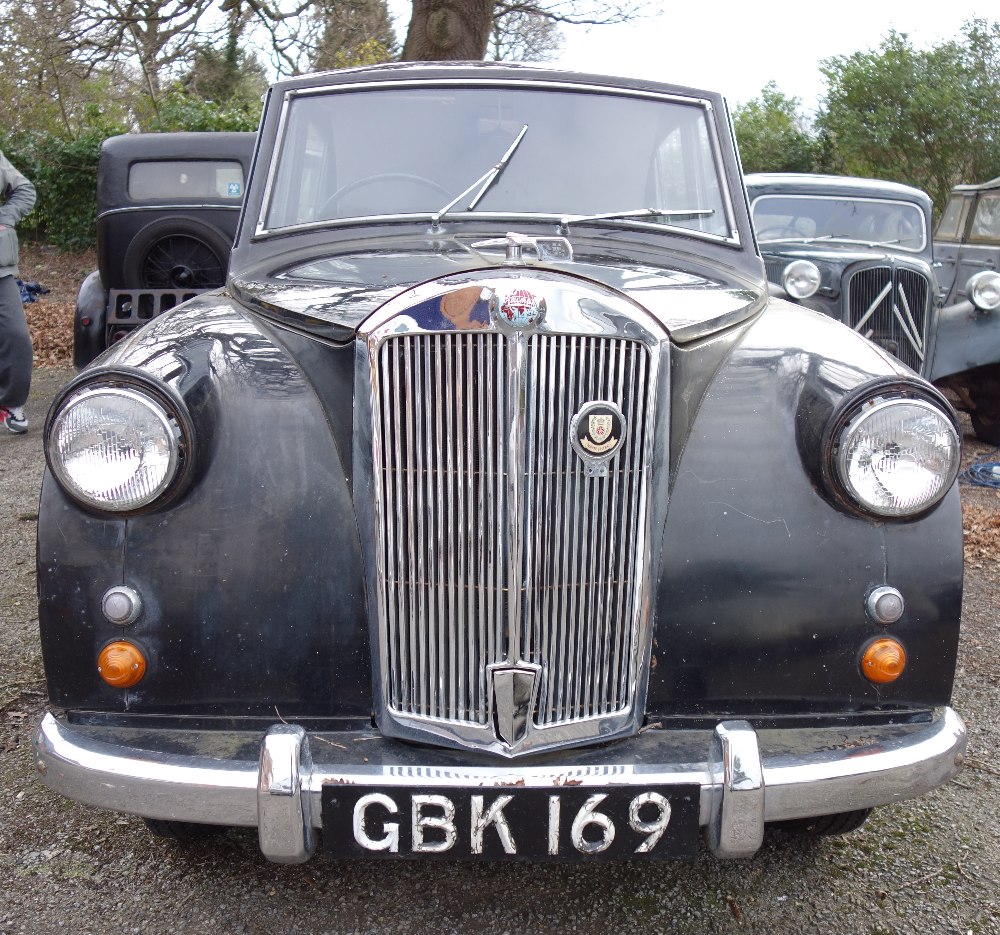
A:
(737, 46)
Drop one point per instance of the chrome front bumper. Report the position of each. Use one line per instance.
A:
(748, 777)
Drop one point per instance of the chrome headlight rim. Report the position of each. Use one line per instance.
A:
(801, 279)
(160, 398)
(858, 404)
(983, 290)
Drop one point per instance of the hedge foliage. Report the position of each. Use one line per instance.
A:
(64, 171)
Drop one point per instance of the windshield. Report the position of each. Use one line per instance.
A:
(854, 220)
(450, 151)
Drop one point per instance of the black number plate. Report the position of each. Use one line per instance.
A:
(497, 822)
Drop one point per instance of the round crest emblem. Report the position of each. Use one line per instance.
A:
(519, 309)
(597, 431)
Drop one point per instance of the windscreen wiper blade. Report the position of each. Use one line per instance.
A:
(485, 181)
(678, 214)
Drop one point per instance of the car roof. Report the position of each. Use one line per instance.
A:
(982, 186)
(814, 183)
(482, 71)
(180, 145)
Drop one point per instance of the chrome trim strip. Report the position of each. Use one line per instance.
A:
(173, 206)
(804, 772)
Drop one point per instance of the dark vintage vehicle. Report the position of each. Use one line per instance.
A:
(167, 209)
(494, 509)
(967, 250)
(860, 250)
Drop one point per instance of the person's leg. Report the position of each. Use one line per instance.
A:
(15, 355)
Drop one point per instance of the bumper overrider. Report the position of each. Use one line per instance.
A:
(738, 779)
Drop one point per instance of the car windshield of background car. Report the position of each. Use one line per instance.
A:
(404, 151)
(868, 221)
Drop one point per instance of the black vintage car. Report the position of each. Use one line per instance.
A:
(494, 509)
(167, 209)
(860, 250)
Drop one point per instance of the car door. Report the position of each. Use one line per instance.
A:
(981, 250)
(948, 241)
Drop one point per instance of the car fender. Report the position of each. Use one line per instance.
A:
(90, 320)
(965, 338)
(761, 592)
(282, 627)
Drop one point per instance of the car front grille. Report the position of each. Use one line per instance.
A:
(774, 268)
(889, 305)
(497, 548)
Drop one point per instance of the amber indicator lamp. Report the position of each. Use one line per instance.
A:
(883, 661)
(121, 664)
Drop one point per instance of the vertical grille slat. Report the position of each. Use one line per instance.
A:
(442, 444)
(889, 305)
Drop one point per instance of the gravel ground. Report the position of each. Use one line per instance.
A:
(927, 866)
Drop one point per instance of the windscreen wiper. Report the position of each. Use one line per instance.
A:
(485, 181)
(678, 214)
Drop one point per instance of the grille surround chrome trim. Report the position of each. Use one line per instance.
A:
(575, 309)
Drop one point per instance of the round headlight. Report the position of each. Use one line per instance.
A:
(113, 448)
(984, 290)
(897, 457)
(801, 279)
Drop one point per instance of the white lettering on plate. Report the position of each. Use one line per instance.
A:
(390, 840)
(554, 804)
(444, 822)
(492, 816)
(587, 817)
(655, 828)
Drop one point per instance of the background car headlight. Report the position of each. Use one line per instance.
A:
(984, 290)
(897, 456)
(113, 448)
(801, 279)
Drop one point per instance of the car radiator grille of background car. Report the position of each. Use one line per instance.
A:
(888, 305)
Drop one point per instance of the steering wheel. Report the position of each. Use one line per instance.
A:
(330, 206)
(781, 230)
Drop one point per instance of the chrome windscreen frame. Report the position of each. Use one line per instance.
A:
(570, 308)
(263, 231)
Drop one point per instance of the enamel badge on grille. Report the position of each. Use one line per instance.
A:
(596, 433)
(518, 309)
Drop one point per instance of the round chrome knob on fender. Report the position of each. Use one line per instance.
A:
(121, 605)
(885, 605)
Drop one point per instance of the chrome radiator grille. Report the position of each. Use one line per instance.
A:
(775, 268)
(450, 606)
(889, 306)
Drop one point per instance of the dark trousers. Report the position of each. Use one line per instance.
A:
(15, 346)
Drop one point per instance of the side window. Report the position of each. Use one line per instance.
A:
(986, 223)
(952, 222)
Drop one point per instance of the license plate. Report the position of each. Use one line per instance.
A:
(497, 823)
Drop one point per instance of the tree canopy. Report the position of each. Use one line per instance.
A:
(76, 71)
(925, 117)
(773, 135)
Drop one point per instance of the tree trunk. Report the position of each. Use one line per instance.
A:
(448, 30)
